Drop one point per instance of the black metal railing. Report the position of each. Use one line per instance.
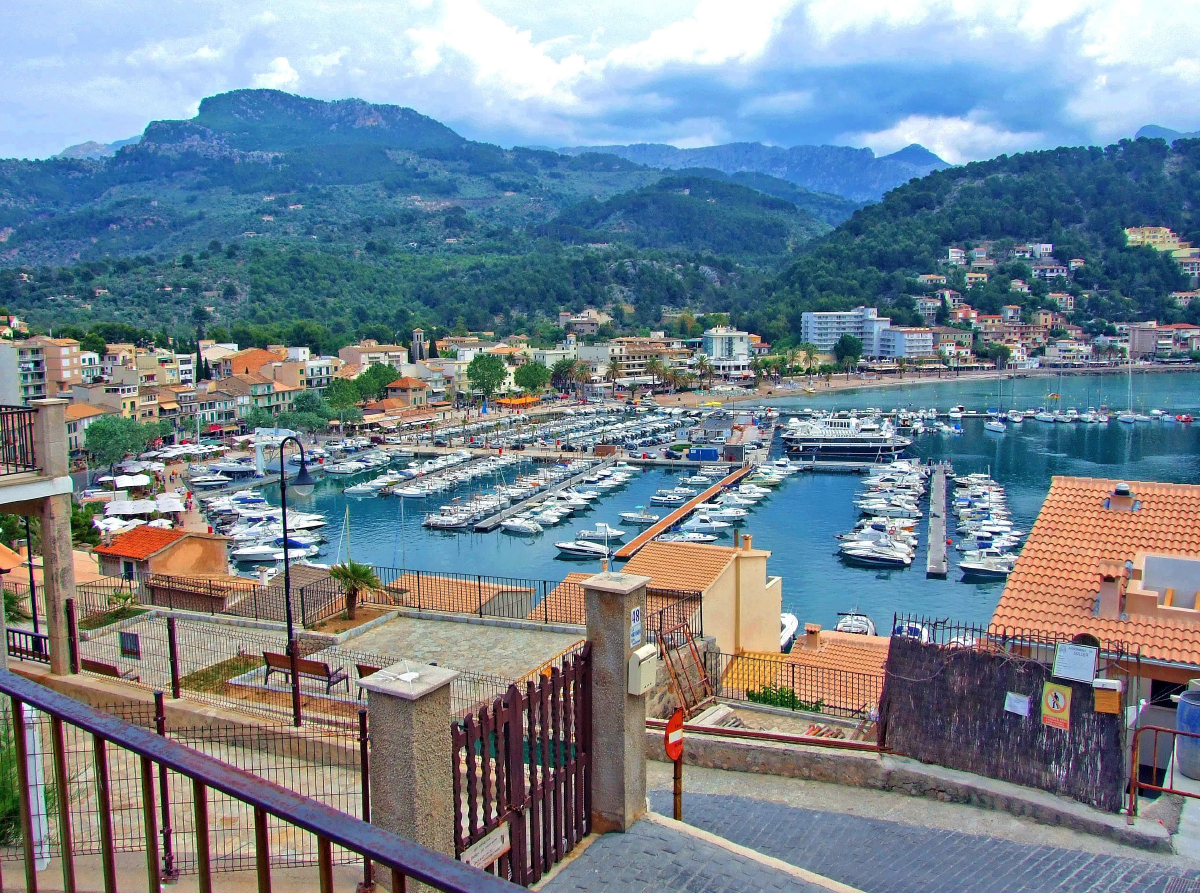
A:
(26, 645)
(781, 683)
(17, 453)
(401, 857)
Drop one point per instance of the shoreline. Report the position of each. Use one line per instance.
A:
(771, 393)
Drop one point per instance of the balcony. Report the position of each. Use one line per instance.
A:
(17, 453)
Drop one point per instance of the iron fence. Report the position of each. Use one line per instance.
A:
(1032, 643)
(17, 451)
(792, 686)
(219, 814)
(92, 599)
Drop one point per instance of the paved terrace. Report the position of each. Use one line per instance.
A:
(853, 840)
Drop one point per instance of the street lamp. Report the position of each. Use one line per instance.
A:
(303, 485)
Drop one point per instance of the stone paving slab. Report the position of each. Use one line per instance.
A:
(890, 857)
(653, 857)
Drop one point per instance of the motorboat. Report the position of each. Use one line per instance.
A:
(909, 629)
(855, 623)
(989, 568)
(788, 625)
(686, 536)
(844, 439)
(521, 526)
(582, 549)
(273, 551)
(876, 554)
(361, 490)
(704, 524)
(728, 513)
(601, 532)
(203, 481)
(668, 499)
(1016, 416)
(641, 516)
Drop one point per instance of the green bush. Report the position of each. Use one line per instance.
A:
(779, 696)
(10, 788)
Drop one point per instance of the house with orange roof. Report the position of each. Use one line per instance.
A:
(246, 362)
(79, 416)
(152, 550)
(412, 391)
(1115, 563)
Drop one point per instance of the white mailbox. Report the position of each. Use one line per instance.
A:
(643, 664)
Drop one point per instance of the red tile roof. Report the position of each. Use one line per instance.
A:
(684, 566)
(140, 543)
(1055, 582)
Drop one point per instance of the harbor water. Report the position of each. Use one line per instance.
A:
(799, 521)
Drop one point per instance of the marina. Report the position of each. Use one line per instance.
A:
(804, 515)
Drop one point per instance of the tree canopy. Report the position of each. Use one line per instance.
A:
(487, 373)
(532, 377)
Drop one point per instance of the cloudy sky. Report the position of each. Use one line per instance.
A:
(968, 79)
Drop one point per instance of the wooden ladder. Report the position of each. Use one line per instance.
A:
(685, 666)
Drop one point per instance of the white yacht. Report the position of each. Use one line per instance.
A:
(640, 517)
(843, 439)
(521, 526)
(601, 532)
(583, 549)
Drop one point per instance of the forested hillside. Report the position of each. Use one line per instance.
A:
(1080, 199)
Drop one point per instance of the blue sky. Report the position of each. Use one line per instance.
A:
(966, 78)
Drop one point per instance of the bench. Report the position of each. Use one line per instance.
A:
(100, 668)
(364, 670)
(310, 669)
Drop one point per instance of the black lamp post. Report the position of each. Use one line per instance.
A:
(303, 485)
(37, 643)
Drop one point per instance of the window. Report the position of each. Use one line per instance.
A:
(1160, 692)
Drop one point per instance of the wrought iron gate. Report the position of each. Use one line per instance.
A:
(525, 762)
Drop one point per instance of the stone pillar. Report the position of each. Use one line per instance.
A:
(58, 567)
(412, 786)
(618, 718)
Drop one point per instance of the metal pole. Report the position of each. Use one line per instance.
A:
(72, 635)
(32, 589)
(287, 582)
(173, 653)
(364, 762)
(164, 792)
(678, 792)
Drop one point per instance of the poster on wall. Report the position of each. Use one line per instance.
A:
(1056, 706)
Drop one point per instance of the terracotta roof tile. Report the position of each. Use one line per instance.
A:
(844, 671)
(692, 567)
(1055, 582)
(140, 543)
(565, 603)
(431, 592)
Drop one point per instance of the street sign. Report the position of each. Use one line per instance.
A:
(673, 738)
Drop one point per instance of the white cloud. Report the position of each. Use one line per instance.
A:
(968, 78)
(954, 139)
(278, 76)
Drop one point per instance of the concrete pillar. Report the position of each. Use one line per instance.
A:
(412, 786)
(58, 567)
(618, 718)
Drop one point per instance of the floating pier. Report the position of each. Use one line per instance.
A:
(487, 525)
(631, 548)
(936, 564)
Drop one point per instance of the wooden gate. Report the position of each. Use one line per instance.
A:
(525, 762)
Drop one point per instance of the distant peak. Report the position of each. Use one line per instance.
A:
(1155, 132)
(916, 154)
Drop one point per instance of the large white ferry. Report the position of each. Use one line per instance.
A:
(843, 439)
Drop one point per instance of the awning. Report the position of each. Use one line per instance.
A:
(127, 481)
(131, 507)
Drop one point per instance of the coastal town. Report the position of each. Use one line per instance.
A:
(384, 508)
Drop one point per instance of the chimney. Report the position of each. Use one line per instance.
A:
(746, 538)
(812, 636)
(1108, 601)
(263, 579)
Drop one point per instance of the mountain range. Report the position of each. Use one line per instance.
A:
(855, 174)
(1154, 132)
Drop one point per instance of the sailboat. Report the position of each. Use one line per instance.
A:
(1128, 417)
(996, 424)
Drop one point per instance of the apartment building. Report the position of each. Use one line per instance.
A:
(79, 417)
(824, 328)
(368, 352)
(905, 343)
(263, 393)
(635, 353)
(245, 361)
(62, 364)
(729, 351)
(22, 372)
(120, 397)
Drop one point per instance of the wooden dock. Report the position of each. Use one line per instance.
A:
(631, 548)
(936, 564)
(487, 525)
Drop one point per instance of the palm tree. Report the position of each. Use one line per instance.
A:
(758, 367)
(790, 356)
(810, 357)
(611, 375)
(355, 579)
(704, 368)
(901, 365)
(656, 369)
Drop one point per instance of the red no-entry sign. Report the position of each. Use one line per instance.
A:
(673, 739)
